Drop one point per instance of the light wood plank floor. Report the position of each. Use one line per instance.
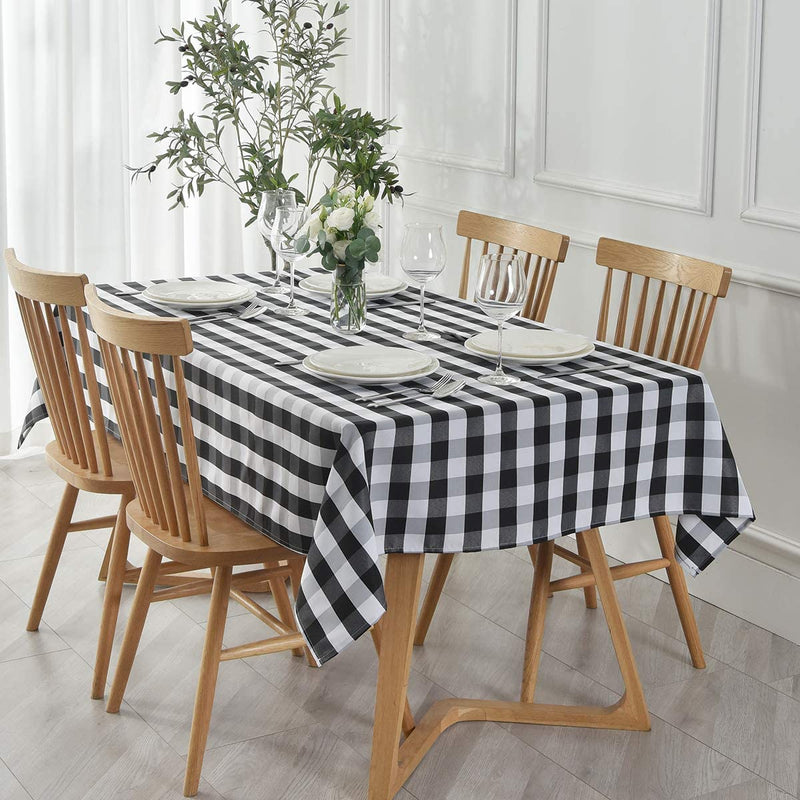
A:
(284, 731)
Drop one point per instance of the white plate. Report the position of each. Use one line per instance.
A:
(371, 364)
(196, 291)
(198, 294)
(530, 343)
(377, 285)
(530, 346)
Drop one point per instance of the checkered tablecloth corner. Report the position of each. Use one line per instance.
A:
(36, 413)
(300, 459)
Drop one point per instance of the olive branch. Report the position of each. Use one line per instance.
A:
(260, 104)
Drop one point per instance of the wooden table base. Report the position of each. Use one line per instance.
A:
(392, 762)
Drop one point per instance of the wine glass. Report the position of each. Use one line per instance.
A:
(422, 257)
(500, 292)
(287, 226)
(271, 201)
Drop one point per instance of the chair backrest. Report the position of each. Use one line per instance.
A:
(679, 334)
(542, 251)
(45, 300)
(128, 344)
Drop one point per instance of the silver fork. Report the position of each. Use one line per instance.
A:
(450, 388)
(446, 378)
(252, 309)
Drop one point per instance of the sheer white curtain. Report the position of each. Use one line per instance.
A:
(81, 86)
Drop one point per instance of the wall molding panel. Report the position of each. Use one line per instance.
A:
(751, 210)
(743, 274)
(701, 203)
(664, 110)
(504, 166)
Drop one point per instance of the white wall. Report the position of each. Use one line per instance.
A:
(672, 123)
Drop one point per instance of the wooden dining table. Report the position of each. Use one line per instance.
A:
(303, 459)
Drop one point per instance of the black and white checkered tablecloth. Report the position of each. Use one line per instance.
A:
(300, 460)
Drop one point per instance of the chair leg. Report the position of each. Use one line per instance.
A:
(54, 548)
(589, 592)
(440, 571)
(296, 568)
(115, 577)
(207, 682)
(133, 630)
(103, 574)
(284, 605)
(536, 617)
(677, 582)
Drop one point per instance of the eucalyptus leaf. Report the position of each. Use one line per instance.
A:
(356, 248)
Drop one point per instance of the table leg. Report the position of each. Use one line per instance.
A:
(392, 763)
(401, 586)
(536, 616)
(408, 717)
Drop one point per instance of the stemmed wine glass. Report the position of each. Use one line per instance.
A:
(500, 292)
(422, 257)
(271, 201)
(287, 225)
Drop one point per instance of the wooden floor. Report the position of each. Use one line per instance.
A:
(283, 730)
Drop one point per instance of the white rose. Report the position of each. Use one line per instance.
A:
(341, 219)
(340, 249)
(313, 227)
(372, 219)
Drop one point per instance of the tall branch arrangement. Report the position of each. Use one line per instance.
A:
(265, 103)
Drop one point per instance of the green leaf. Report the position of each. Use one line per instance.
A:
(302, 244)
(356, 248)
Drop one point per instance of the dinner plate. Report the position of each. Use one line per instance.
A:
(525, 346)
(377, 285)
(198, 294)
(371, 364)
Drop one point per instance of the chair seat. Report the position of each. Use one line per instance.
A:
(230, 540)
(86, 480)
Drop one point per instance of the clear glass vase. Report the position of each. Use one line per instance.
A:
(348, 300)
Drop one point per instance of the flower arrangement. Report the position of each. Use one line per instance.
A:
(343, 233)
(343, 230)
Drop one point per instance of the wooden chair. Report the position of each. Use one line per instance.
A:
(672, 328)
(173, 518)
(542, 252)
(82, 454)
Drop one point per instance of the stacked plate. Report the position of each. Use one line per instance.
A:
(377, 285)
(371, 364)
(525, 346)
(198, 295)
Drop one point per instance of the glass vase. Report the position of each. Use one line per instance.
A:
(348, 300)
